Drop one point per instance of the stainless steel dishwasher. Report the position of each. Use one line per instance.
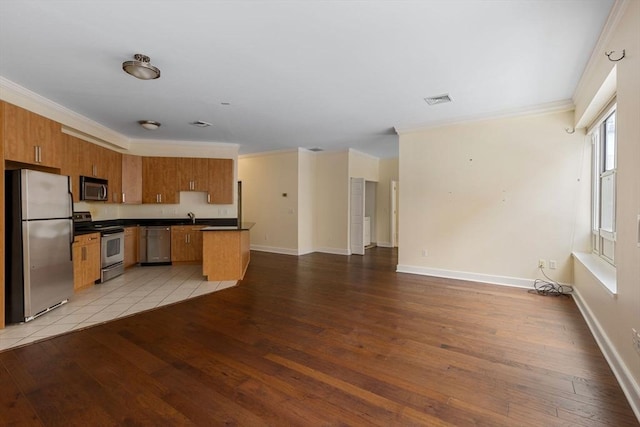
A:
(155, 245)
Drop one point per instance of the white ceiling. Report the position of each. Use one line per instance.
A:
(328, 74)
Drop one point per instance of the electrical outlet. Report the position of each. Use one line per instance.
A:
(425, 252)
(542, 263)
(635, 339)
(552, 264)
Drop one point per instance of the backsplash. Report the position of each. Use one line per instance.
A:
(190, 201)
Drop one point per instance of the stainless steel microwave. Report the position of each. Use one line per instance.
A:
(94, 188)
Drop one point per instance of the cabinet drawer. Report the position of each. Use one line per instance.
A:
(84, 239)
(131, 231)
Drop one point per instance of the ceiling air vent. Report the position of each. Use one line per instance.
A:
(440, 99)
(200, 124)
(316, 149)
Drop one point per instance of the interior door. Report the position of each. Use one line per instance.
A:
(356, 223)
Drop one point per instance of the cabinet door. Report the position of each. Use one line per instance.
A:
(79, 254)
(179, 244)
(31, 138)
(131, 179)
(113, 164)
(70, 146)
(184, 166)
(159, 180)
(220, 181)
(130, 246)
(86, 154)
(193, 174)
(47, 135)
(93, 260)
(86, 260)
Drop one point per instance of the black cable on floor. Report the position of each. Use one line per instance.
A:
(550, 287)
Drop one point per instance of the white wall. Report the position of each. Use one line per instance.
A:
(388, 171)
(487, 199)
(612, 317)
(266, 178)
(306, 201)
(332, 202)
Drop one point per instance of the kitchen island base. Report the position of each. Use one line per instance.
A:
(225, 253)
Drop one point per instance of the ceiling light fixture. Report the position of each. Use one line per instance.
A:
(141, 68)
(200, 124)
(149, 124)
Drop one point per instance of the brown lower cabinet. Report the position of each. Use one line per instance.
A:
(186, 243)
(86, 260)
(131, 253)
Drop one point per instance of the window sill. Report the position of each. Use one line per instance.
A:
(605, 273)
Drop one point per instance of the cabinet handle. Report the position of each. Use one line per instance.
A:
(160, 197)
(35, 153)
(40, 154)
(188, 238)
(123, 198)
(208, 198)
(84, 254)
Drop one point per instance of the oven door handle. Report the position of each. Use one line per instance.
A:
(111, 233)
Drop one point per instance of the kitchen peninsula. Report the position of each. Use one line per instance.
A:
(225, 251)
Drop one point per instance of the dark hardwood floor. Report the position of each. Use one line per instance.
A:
(324, 340)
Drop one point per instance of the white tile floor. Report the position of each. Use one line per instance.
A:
(138, 289)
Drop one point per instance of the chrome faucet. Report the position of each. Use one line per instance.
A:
(192, 217)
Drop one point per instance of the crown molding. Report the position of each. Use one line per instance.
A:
(548, 108)
(617, 12)
(22, 97)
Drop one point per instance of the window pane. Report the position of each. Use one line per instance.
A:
(610, 142)
(608, 249)
(606, 202)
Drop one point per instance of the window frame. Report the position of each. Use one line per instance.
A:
(603, 240)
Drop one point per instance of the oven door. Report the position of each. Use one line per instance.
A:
(112, 251)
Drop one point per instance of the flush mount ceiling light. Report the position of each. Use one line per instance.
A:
(201, 124)
(141, 68)
(149, 124)
(440, 99)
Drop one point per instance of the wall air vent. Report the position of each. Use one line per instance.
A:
(200, 124)
(440, 99)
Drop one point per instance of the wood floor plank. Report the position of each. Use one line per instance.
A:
(323, 339)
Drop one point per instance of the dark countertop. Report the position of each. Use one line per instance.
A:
(243, 227)
(231, 223)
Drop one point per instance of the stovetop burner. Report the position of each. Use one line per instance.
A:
(82, 222)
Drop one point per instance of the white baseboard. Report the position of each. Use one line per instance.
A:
(384, 244)
(629, 386)
(274, 249)
(335, 251)
(464, 275)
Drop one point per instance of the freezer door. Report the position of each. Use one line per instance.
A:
(47, 263)
(45, 195)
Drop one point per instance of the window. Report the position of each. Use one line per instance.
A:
(603, 207)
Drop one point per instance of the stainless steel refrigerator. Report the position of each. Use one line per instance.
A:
(39, 235)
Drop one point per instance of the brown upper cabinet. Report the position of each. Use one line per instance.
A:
(159, 176)
(193, 174)
(220, 182)
(83, 158)
(131, 179)
(30, 138)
